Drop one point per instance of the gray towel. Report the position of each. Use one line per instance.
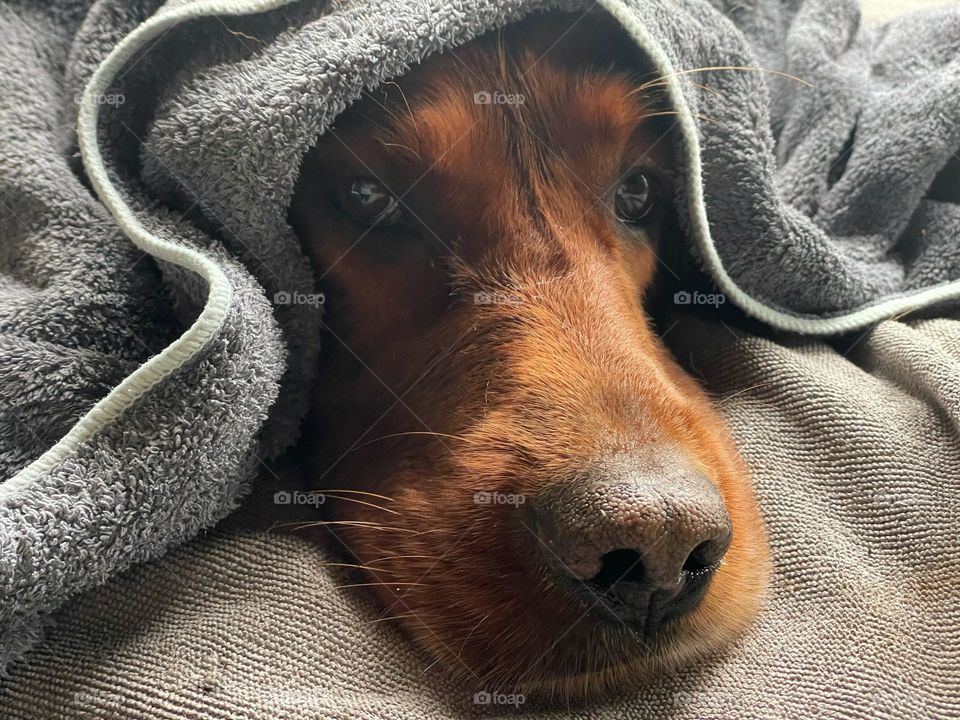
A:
(154, 347)
(857, 465)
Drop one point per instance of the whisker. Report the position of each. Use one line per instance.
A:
(355, 523)
(727, 67)
(412, 432)
(402, 147)
(395, 557)
(470, 634)
(664, 113)
(413, 116)
(312, 523)
(356, 492)
(360, 502)
(427, 532)
(436, 660)
(743, 390)
(374, 584)
(390, 617)
(663, 83)
(358, 567)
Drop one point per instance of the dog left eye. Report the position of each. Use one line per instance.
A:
(367, 200)
(635, 198)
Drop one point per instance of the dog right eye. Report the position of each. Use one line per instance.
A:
(368, 201)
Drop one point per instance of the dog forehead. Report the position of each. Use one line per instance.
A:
(455, 120)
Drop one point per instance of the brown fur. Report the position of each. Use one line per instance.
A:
(427, 397)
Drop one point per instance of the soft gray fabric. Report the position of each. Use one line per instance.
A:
(850, 219)
(857, 463)
(203, 132)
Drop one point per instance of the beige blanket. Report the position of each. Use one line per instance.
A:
(855, 448)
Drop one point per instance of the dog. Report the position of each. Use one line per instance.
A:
(533, 487)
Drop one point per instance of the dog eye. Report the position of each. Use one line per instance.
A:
(635, 198)
(368, 201)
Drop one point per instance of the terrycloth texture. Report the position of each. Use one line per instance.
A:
(857, 464)
(191, 133)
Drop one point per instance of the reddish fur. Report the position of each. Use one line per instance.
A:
(504, 397)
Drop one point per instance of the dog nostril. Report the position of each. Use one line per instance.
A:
(619, 566)
(701, 560)
(706, 556)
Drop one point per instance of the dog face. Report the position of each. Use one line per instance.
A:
(536, 490)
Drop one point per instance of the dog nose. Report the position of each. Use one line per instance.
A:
(644, 546)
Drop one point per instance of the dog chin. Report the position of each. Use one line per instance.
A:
(606, 658)
(620, 662)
